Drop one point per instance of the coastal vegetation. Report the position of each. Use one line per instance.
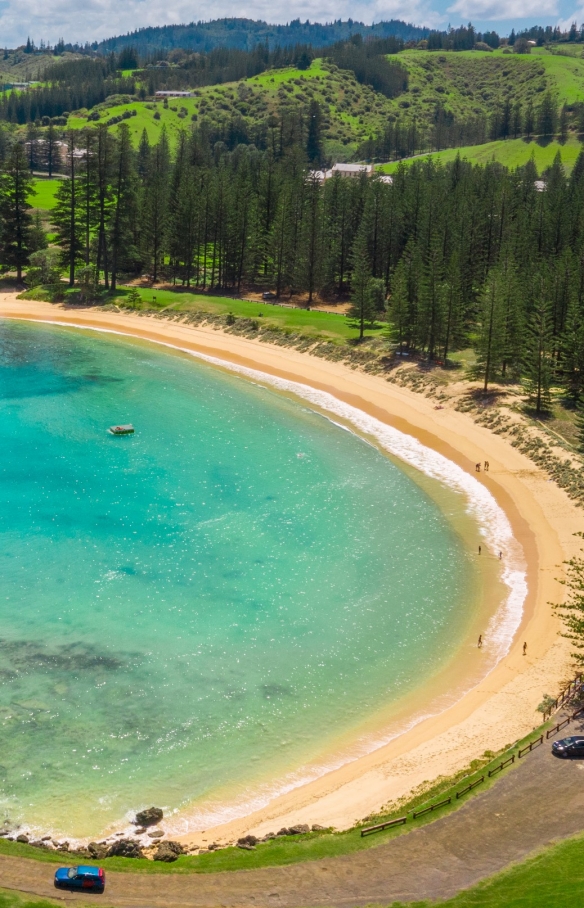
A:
(279, 850)
(460, 255)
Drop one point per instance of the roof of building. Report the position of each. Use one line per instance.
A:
(353, 168)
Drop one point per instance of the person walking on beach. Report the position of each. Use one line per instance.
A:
(525, 649)
(486, 466)
(477, 468)
(480, 549)
(500, 555)
(480, 643)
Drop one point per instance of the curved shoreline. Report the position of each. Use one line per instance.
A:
(501, 707)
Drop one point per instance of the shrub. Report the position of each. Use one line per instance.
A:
(546, 704)
(44, 268)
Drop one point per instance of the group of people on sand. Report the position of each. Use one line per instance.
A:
(486, 466)
(480, 643)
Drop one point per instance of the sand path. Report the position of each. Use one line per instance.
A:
(498, 710)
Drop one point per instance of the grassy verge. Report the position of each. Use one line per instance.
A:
(555, 876)
(309, 322)
(11, 899)
(313, 846)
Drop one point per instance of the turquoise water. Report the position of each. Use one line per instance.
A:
(201, 607)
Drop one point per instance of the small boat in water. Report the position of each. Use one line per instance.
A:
(122, 430)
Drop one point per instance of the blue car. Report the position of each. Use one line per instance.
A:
(90, 879)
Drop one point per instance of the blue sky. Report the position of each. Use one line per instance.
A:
(88, 20)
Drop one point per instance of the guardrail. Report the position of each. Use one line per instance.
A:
(493, 772)
(530, 747)
(459, 794)
(369, 829)
(558, 727)
(420, 813)
(568, 692)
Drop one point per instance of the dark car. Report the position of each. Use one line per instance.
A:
(569, 747)
(86, 877)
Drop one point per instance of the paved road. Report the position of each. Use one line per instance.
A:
(540, 801)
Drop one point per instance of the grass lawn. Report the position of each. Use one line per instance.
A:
(311, 322)
(510, 152)
(145, 119)
(44, 197)
(565, 75)
(11, 899)
(279, 76)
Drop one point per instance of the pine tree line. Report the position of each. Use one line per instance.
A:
(455, 254)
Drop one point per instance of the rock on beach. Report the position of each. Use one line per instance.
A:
(149, 817)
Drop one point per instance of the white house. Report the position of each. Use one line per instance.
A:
(174, 94)
(350, 171)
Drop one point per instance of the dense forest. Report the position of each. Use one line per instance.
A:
(246, 34)
(448, 255)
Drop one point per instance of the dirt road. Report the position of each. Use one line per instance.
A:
(540, 801)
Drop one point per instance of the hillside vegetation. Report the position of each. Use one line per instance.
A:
(432, 100)
(245, 34)
(467, 89)
(510, 153)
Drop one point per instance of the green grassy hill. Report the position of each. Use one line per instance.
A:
(511, 153)
(467, 84)
(350, 111)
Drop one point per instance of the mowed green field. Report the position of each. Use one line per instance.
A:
(145, 119)
(565, 74)
(510, 152)
(324, 325)
(44, 197)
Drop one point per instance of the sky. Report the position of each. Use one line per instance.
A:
(92, 20)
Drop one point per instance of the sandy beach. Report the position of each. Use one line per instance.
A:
(499, 709)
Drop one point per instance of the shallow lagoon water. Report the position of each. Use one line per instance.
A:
(202, 607)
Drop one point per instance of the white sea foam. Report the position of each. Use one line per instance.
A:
(481, 505)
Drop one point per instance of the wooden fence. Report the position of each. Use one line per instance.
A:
(566, 695)
(369, 829)
(493, 772)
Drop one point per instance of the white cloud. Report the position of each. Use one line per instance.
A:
(577, 16)
(504, 9)
(93, 20)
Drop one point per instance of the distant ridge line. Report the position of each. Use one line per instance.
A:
(245, 34)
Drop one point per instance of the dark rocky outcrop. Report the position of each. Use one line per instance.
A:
(168, 851)
(97, 850)
(299, 829)
(149, 817)
(23, 839)
(125, 848)
(248, 840)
